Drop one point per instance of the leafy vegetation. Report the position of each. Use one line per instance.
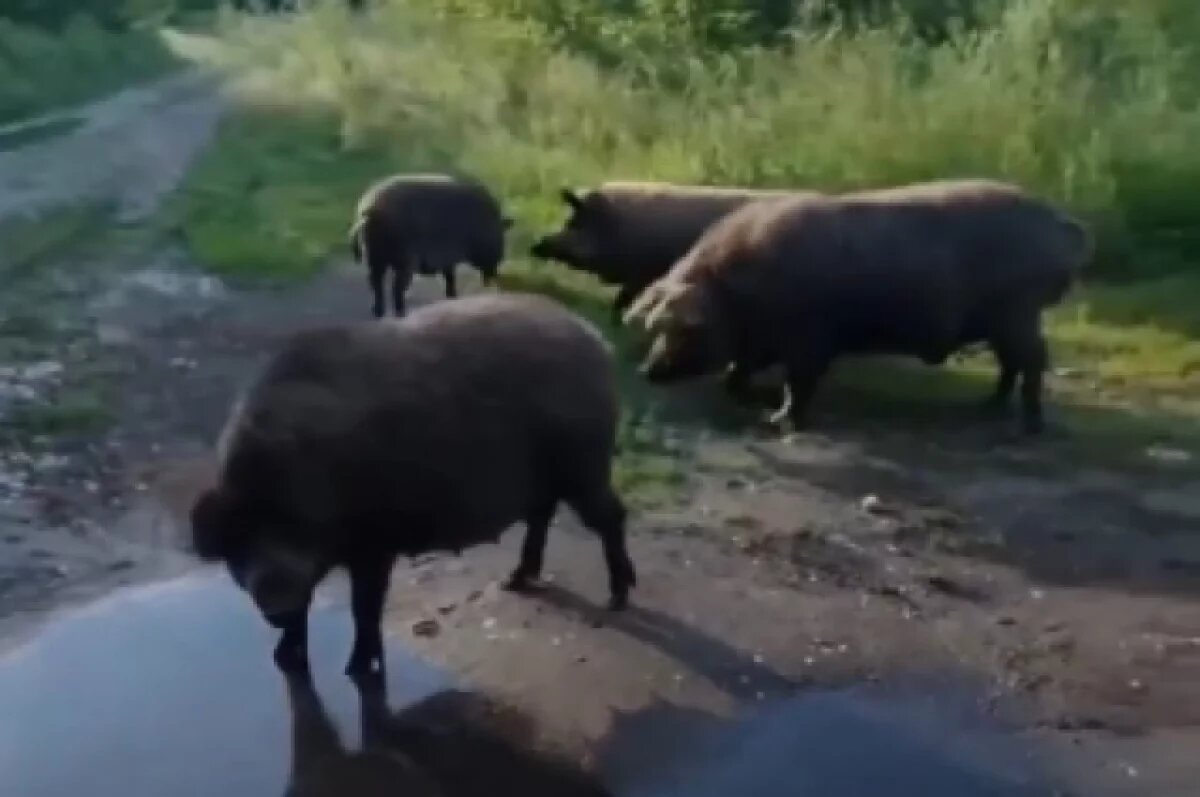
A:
(1086, 101)
(59, 61)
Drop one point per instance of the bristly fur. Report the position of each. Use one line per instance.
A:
(364, 441)
(410, 224)
(922, 270)
(630, 233)
(212, 533)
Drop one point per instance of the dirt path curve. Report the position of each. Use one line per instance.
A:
(129, 149)
(862, 551)
(124, 154)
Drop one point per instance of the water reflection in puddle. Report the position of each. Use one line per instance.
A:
(169, 691)
(159, 691)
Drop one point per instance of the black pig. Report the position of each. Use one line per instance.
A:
(426, 224)
(363, 442)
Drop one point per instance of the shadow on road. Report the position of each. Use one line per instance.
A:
(452, 744)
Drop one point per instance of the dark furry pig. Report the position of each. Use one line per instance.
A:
(630, 233)
(366, 441)
(426, 224)
(920, 270)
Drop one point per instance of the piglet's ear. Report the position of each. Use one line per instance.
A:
(642, 305)
(570, 197)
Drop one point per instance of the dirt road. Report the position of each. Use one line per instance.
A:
(1067, 595)
(129, 149)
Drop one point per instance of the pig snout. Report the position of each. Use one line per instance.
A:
(543, 248)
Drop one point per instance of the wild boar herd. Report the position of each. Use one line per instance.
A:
(435, 431)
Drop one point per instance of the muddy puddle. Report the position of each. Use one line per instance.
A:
(169, 690)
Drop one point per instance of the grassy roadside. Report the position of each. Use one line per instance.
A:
(272, 198)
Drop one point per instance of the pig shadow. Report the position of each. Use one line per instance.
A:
(1049, 535)
(451, 744)
(731, 670)
(791, 740)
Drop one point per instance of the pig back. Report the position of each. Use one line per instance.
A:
(441, 214)
(813, 272)
(440, 428)
(656, 225)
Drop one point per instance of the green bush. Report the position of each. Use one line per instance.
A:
(53, 14)
(1093, 109)
(41, 69)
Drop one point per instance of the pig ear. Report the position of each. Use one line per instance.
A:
(656, 319)
(682, 303)
(570, 197)
(642, 304)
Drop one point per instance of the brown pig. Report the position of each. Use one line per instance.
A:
(919, 270)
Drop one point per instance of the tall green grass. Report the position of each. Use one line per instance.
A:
(47, 68)
(1089, 102)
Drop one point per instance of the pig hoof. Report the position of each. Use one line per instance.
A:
(364, 666)
(782, 421)
(994, 408)
(767, 419)
(520, 583)
(619, 601)
(371, 682)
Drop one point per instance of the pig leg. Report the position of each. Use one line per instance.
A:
(997, 402)
(529, 568)
(488, 269)
(1022, 344)
(804, 372)
(737, 383)
(369, 581)
(373, 714)
(604, 513)
(1032, 373)
(375, 274)
(291, 654)
(451, 281)
(401, 278)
